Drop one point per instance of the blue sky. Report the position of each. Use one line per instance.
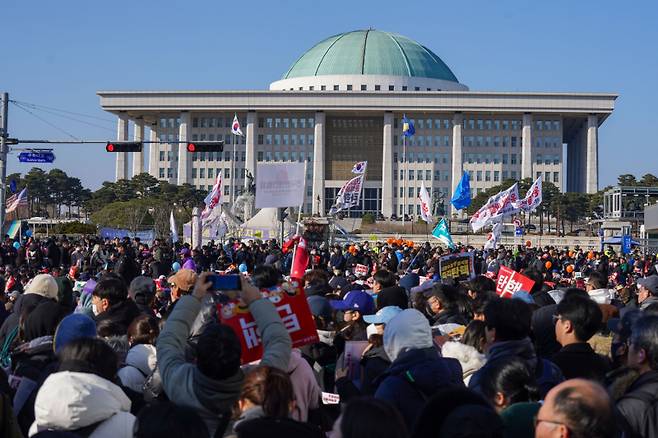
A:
(58, 54)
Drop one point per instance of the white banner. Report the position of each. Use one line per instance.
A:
(501, 204)
(494, 235)
(424, 198)
(533, 198)
(348, 196)
(280, 185)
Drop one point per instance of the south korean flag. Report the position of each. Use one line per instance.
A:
(235, 126)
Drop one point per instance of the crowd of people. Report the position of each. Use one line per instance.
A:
(119, 338)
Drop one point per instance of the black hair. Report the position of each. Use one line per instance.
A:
(575, 291)
(168, 419)
(368, 417)
(474, 335)
(510, 377)
(510, 318)
(645, 336)
(266, 276)
(481, 284)
(384, 278)
(112, 288)
(478, 303)
(598, 280)
(583, 418)
(218, 352)
(584, 314)
(89, 355)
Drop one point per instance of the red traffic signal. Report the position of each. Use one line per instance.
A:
(124, 146)
(205, 146)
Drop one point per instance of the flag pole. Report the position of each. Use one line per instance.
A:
(233, 169)
(299, 218)
(404, 179)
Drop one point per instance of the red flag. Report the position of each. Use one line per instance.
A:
(289, 244)
(300, 262)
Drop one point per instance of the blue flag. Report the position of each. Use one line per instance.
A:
(12, 186)
(462, 196)
(407, 127)
(441, 232)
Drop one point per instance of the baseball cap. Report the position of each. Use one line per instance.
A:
(383, 316)
(650, 282)
(44, 285)
(355, 300)
(184, 279)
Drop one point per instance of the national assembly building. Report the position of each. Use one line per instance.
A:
(342, 102)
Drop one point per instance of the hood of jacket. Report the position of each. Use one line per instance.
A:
(71, 400)
(600, 296)
(142, 357)
(470, 359)
(522, 349)
(408, 330)
(427, 369)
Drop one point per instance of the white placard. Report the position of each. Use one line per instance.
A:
(280, 185)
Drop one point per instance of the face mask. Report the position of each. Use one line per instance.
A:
(94, 309)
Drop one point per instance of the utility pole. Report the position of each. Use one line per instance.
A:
(3, 158)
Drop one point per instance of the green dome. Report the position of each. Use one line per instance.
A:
(370, 52)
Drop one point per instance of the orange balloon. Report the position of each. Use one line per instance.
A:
(570, 269)
(528, 243)
(570, 253)
(590, 255)
(548, 265)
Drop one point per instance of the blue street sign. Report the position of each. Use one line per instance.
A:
(36, 157)
(626, 244)
(518, 231)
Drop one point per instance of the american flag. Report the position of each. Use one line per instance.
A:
(17, 200)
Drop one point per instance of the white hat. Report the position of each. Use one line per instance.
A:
(44, 285)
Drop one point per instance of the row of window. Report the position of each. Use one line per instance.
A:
(548, 142)
(495, 141)
(226, 138)
(285, 122)
(363, 87)
(547, 159)
(212, 122)
(421, 175)
(285, 139)
(421, 157)
(169, 123)
(284, 156)
(491, 158)
(420, 140)
(487, 175)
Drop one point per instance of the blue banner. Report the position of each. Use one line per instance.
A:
(146, 236)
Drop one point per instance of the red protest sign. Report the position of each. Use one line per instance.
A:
(292, 306)
(361, 270)
(510, 281)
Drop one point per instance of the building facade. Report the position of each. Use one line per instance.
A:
(341, 102)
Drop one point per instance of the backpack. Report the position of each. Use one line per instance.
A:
(650, 401)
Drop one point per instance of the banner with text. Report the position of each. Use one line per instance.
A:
(290, 302)
(510, 281)
(279, 185)
(457, 266)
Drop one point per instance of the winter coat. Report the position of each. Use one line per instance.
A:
(69, 401)
(305, 386)
(24, 303)
(637, 407)
(185, 385)
(140, 363)
(470, 359)
(417, 371)
(547, 373)
(580, 360)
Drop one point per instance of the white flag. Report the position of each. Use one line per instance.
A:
(499, 205)
(213, 199)
(424, 198)
(173, 228)
(235, 126)
(360, 168)
(533, 198)
(493, 236)
(348, 196)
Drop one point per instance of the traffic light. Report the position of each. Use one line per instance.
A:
(124, 146)
(205, 146)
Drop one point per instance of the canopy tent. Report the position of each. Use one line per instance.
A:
(266, 225)
(616, 240)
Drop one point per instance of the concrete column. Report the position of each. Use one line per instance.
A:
(318, 164)
(388, 206)
(184, 160)
(197, 230)
(592, 181)
(154, 152)
(138, 157)
(571, 166)
(526, 147)
(457, 156)
(121, 169)
(250, 145)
